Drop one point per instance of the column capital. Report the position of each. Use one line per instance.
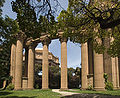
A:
(46, 41)
(63, 39)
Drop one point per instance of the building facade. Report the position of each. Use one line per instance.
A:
(53, 60)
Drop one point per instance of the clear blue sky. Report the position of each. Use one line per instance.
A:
(73, 50)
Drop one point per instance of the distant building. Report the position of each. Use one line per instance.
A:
(53, 60)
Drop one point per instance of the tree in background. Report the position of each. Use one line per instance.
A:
(8, 29)
(1, 5)
(54, 77)
(38, 76)
(73, 77)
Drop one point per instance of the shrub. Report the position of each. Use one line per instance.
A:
(10, 87)
(37, 86)
(108, 85)
(90, 87)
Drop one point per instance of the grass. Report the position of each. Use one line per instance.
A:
(36, 93)
(114, 92)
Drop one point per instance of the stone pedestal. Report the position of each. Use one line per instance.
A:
(45, 65)
(31, 58)
(13, 62)
(90, 80)
(84, 65)
(24, 82)
(19, 63)
(64, 80)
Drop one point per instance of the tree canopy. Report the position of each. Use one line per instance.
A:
(92, 19)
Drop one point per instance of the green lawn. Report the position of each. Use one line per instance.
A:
(115, 92)
(37, 93)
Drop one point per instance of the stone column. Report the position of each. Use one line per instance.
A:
(13, 62)
(31, 64)
(45, 64)
(107, 59)
(84, 64)
(64, 80)
(113, 73)
(90, 58)
(98, 70)
(117, 72)
(114, 77)
(19, 63)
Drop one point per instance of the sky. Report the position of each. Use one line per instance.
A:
(73, 50)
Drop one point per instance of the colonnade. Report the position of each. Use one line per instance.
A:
(94, 66)
(26, 81)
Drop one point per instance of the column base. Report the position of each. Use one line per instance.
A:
(83, 88)
(99, 89)
(29, 88)
(45, 88)
(18, 89)
(63, 89)
(116, 88)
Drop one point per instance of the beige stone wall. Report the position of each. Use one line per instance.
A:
(53, 60)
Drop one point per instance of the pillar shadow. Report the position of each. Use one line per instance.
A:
(90, 96)
(5, 93)
(19, 97)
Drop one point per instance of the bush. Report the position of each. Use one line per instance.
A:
(90, 87)
(37, 86)
(108, 86)
(10, 87)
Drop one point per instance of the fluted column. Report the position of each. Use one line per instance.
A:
(90, 57)
(84, 64)
(117, 72)
(45, 64)
(19, 63)
(113, 73)
(64, 79)
(13, 62)
(98, 70)
(107, 59)
(31, 64)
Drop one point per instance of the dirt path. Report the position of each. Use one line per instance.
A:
(63, 93)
